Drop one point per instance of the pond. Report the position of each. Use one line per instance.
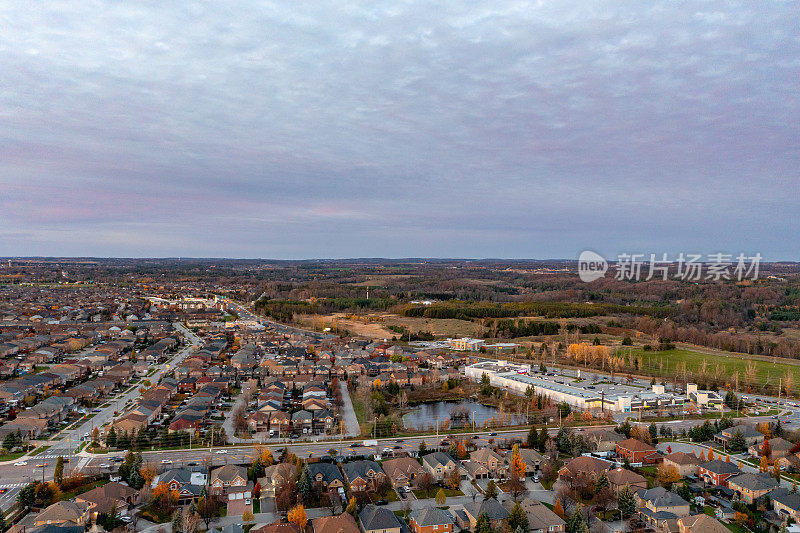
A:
(460, 413)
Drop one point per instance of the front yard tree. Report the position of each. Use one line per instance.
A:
(626, 502)
(517, 518)
(454, 481)
(491, 490)
(441, 497)
(304, 484)
(58, 475)
(482, 524)
(298, 516)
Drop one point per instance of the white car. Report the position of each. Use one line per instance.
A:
(105, 465)
(21, 463)
(166, 462)
(222, 451)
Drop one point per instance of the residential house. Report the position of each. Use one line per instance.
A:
(225, 477)
(188, 482)
(495, 464)
(786, 503)
(431, 520)
(439, 465)
(685, 463)
(376, 519)
(701, 522)
(275, 476)
(327, 474)
(362, 475)
(277, 527)
(717, 472)
(752, 437)
(343, 523)
(779, 448)
(540, 518)
(584, 465)
(622, 477)
(636, 451)
(658, 507)
(64, 512)
(402, 471)
(495, 512)
(109, 498)
(749, 487)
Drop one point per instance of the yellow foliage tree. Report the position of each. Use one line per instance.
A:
(667, 475)
(518, 466)
(297, 515)
(764, 465)
(558, 508)
(710, 454)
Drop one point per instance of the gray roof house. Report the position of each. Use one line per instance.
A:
(378, 519)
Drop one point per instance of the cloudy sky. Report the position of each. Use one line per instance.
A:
(396, 129)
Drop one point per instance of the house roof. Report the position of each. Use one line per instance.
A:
(63, 511)
(623, 476)
(229, 473)
(492, 508)
(373, 517)
(430, 516)
(329, 471)
(586, 463)
(437, 458)
(402, 465)
(704, 523)
(344, 523)
(683, 458)
(661, 497)
(718, 466)
(360, 469)
(754, 482)
(636, 445)
(787, 498)
(540, 517)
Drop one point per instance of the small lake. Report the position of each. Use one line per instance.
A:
(460, 414)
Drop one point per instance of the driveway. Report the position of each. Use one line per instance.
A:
(352, 428)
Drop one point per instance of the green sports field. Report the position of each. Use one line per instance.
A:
(720, 368)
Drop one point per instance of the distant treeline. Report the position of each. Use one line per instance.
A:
(509, 329)
(464, 310)
(284, 310)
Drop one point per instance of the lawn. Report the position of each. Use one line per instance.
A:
(11, 456)
(39, 450)
(766, 371)
(431, 493)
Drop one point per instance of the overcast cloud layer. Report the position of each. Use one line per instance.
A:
(336, 129)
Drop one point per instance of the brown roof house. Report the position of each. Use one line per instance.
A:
(540, 518)
(275, 476)
(225, 477)
(584, 465)
(701, 522)
(108, 498)
(685, 463)
(637, 451)
(344, 523)
(402, 471)
(621, 477)
(63, 512)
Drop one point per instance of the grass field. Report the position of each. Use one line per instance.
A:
(720, 367)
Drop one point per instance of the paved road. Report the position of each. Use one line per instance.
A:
(13, 477)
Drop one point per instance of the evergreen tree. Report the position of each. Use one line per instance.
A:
(602, 483)
(543, 438)
(304, 484)
(626, 502)
(575, 522)
(58, 475)
(737, 442)
(533, 437)
(491, 490)
(111, 438)
(653, 431)
(517, 518)
(483, 525)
